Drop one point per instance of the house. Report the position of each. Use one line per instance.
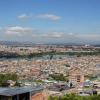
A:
(76, 75)
(22, 93)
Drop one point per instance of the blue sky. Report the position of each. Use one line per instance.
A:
(55, 21)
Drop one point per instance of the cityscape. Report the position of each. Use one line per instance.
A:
(49, 50)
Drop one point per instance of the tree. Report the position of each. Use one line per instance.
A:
(5, 77)
(58, 77)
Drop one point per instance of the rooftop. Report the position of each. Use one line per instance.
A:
(19, 90)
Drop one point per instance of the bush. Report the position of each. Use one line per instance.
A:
(5, 77)
(74, 97)
(58, 77)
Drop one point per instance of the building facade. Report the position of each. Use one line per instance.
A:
(76, 75)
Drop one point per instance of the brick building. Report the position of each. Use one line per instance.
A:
(76, 75)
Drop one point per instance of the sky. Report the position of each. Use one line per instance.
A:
(50, 21)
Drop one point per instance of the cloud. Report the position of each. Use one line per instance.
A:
(70, 37)
(49, 35)
(41, 16)
(53, 35)
(28, 33)
(91, 35)
(88, 37)
(17, 30)
(23, 17)
(49, 17)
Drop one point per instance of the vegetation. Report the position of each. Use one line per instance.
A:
(5, 77)
(75, 97)
(4, 54)
(67, 65)
(38, 81)
(90, 77)
(7, 55)
(58, 77)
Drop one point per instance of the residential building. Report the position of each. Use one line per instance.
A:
(22, 93)
(76, 75)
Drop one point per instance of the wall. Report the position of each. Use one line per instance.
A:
(38, 96)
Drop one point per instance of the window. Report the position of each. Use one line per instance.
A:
(78, 78)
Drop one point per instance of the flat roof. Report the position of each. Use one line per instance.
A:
(19, 90)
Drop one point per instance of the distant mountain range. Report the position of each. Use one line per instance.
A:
(16, 43)
(27, 43)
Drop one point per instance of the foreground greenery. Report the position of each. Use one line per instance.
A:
(75, 97)
(5, 77)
